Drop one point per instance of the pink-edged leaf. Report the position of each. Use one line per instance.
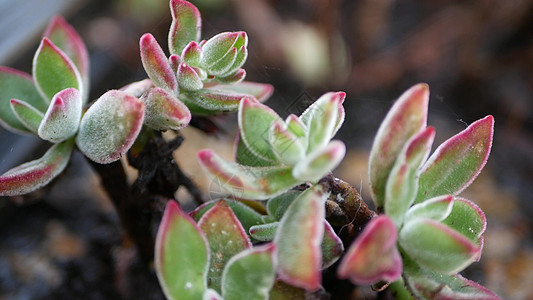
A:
(186, 25)
(211, 101)
(64, 36)
(299, 238)
(246, 157)
(164, 111)
(264, 232)
(250, 274)
(181, 255)
(192, 53)
(223, 65)
(15, 84)
(28, 115)
(255, 120)
(53, 71)
(467, 218)
(296, 126)
(240, 59)
(402, 184)
(138, 88)
(247, 182)
(175, 61)
(457, 162)
(373, 256)
(226, 237)
(32, 175)
(287, 147)
(219, 46)
(110, 126)
(436, 246)
(188, 79)
(210, 294)
(157, 65)
(246, 215)
(234, 78)
(320, 162)
(332, 247)
(62, 118)
(260, 91)
(428, 285)
(438, 209)
(407, 117)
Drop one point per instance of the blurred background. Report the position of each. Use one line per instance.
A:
(476, 56)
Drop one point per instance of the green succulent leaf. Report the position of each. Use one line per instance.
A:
(296, 126)
(53, 71)
(192, 54)
(164, 111)
(110, 126)
(406, 118)
(246, 157)
(188, 79)
(186, 25)
(438, 209)
(332, 247)
(32, 175)
(283, 291)
(28, 115)
(467, 218)
(211, 101)
(287, 147)
(402, 185)
(233, 78)
(157, 65)
(250, 274)
(226, 237)
(320, 162)
(457, 161)
(181, 255)
(218, 47)
(321, 118)
(299, 238)
(17, 85)
(373, 256)
(246, 215)
(277, 206)
(240, 59)
(211, 294)
(264, 232)
(62, 118)
(437, 246)
(223, 65)
(260, 91)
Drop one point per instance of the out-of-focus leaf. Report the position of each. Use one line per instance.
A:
(321, 118)
(428, 285)
(28, 115)
(260, 91)
(299, 238)
(110, 126)
(164, 111)
(186, 25)
(322, 161)
(188, 79)
(64, 36)
(437, 209)
(250, 274)
(286, 146)
(278, 205)
(175, 61)
(467, 218)
(332, 247)
(225, 236)
(373, 256)
(181, 255)
(284, 291)
(406, 117)
(402, 185)
(138, 88)
(296, 126)
(53, 71)
(246, 157)
(32, 175)
(247, 182)
(62, 118)
(157, 65)
(17, 85)
(192, 53)
(437, 246)
(247, 216)
(210, 294)
(264, 232)
(457, 161)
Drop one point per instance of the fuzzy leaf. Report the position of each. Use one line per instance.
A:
(284, 291)
(428, 285)
(217, 48)
(437, 209)
(286, 146)
(247, 182)
(17, 85)
(233, 78)
(188, 79)
(457, 161)
(62, 118)
(110, 126)
(373, 256)
(332, 247)
(32, 175)
(406, 117)
(164, 111)
(299, 238)
(278, 205)
(322, 161)
(260, 91)
(175, 61)
(240, 59)
(210, 101)
(296, 126)
(226, 237)
(186, 25)
(138, 88)
(437, 246)
(64, 36)
(210, 294)
(247, 216)
(192, 54)
(321, 118)
(264, 232)
(181, 255)
(28, 115)
(255, 120)
(467, 218)
(157, 65)
(223, 65)
(246, 157)
(250, 274)
(402, 185)
(53, 71)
